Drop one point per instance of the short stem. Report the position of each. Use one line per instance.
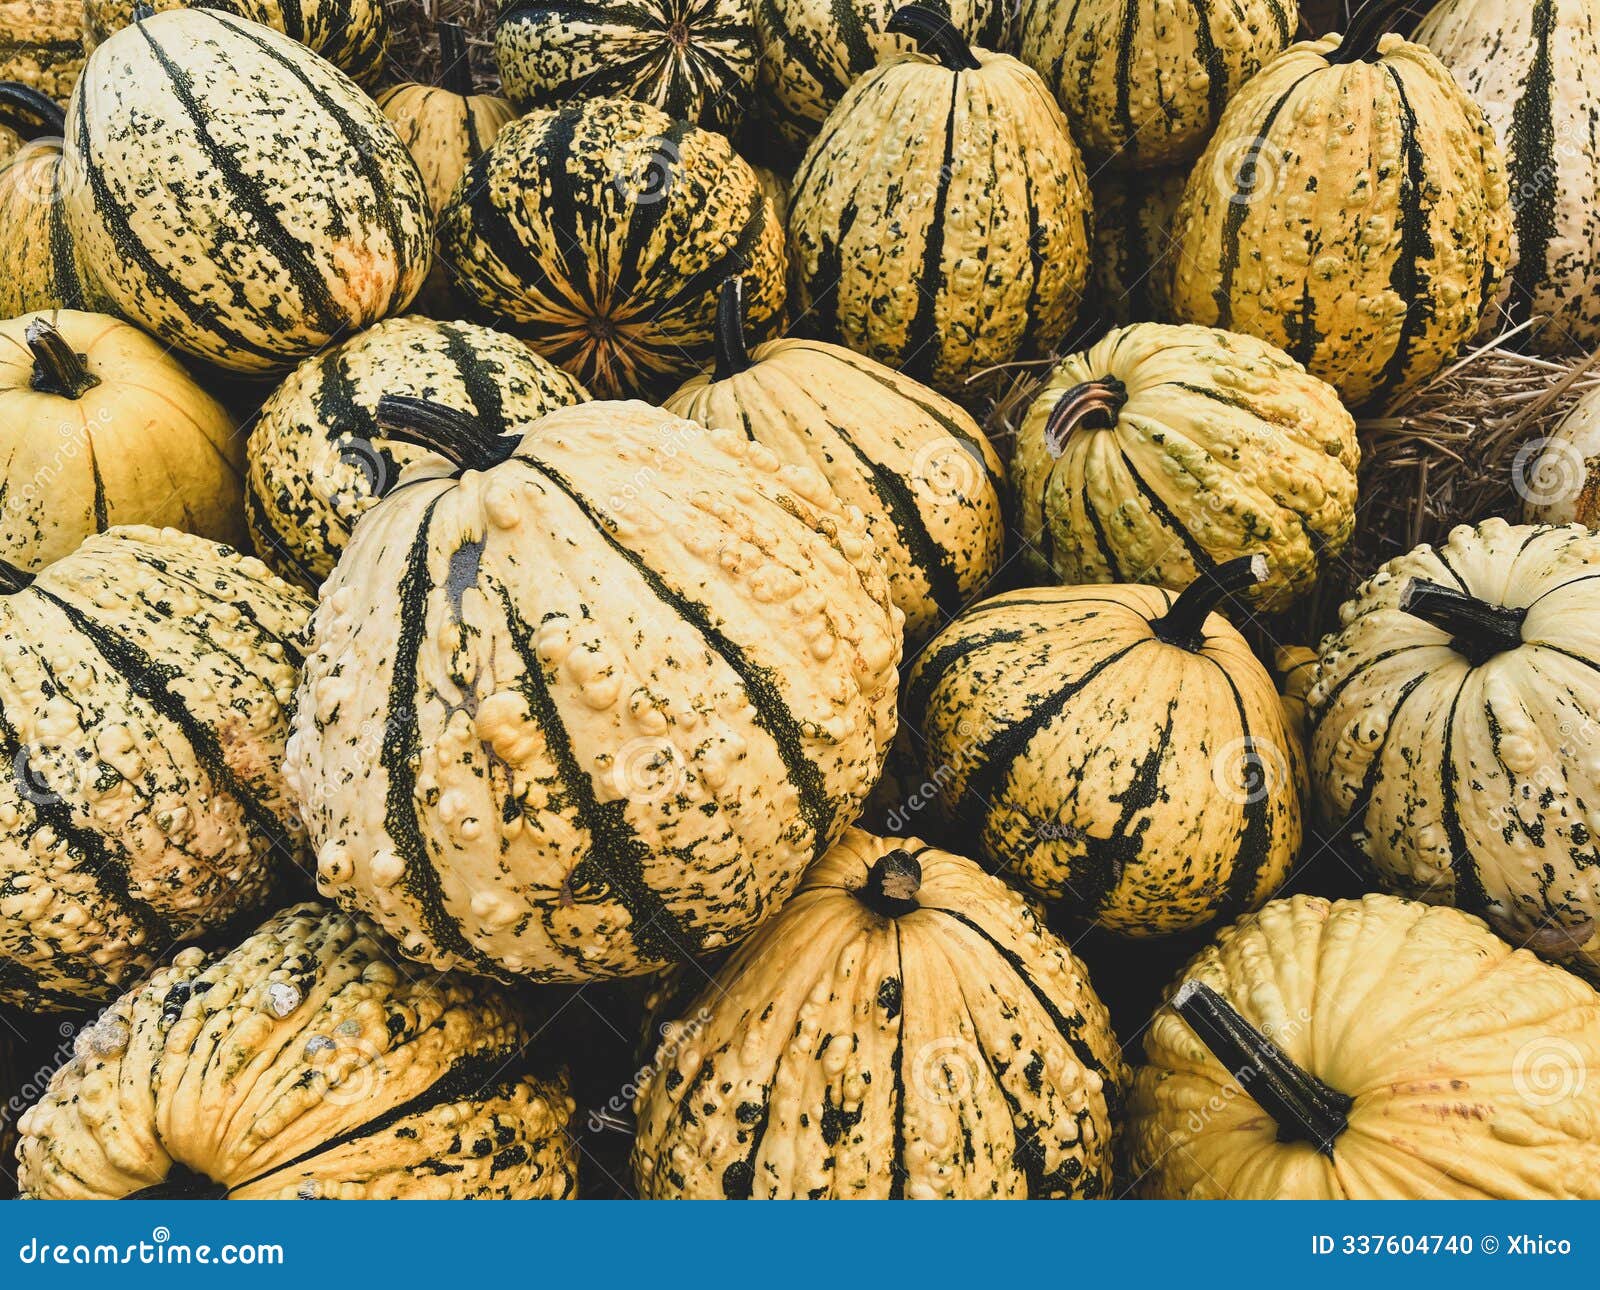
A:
(455, 68)
(1092, 405)
(1304, 1108)
(182, 1183)
(1185, 623)
(57, 367)
(935, 34)
(30, 113)
(1478, 630)
(13, 579)
(1376, 19)
(456, 436)
(892, 884)
(732, 354)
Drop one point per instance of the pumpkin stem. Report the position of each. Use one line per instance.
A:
(935, 34)
(455, 68)
(733, 354)
(182, 1183)
(455, 436)
(57, 367)
(1185, 623)
(1376, 19)
(1099, 400)
(1305, 1109)
(1478, 630)
(30, 113)
(892, 883)
(13, 579)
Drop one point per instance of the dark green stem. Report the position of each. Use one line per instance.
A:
(455, 68)
(456, 436)
(892, 883)
(1376, 19)
(1093, 405)
(935, 34)
(1185, 623)
(732, 353)
(1478, 630)
(30, 113)
(57, 368)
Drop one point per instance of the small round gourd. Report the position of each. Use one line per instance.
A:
(147, 680)
(1163, 452)
(906, 1027)
(1130, 268)
(1118, 750)
(1372, 1049)
(42, 270)
(1558, 477)
(916, 464)
(662, 212)
(304, 1064)
(42, 45)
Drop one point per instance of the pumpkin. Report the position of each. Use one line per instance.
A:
(1117, 750)
(319, 459)
(1529, 67)
(246, 238)
(303, 1063)
(1143, 84)
(904, 1028)
(1129, 269)
(1452, 726)
(42, 44)
(1164, 451)
(42, 270)
(776, 187)
(1295, 668)
(350, 34)
(1372, 1049)
(100, 426)
(143, 716)
(812, 51)
(693, 59)
(1558, 477)
(940, 221)
(585, 703)
(915, 464)
(1372, 275)
(600, 231)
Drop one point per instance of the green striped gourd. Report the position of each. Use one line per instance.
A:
(147, 680)
(318, 457)
(1117, 749)
(42, 270)
(1130, 266)
(584, 704)
(245, 238)
(905, 1027)
(41, 44)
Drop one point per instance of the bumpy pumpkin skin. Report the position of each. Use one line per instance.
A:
(1144, 83)
(1475, 785)
(1559, 478)
(42, 270)
(597, 707)
(1471, 1065)
(940, 221)
(1355, 215)
(312, 222)
(1130, 268)
(1224, 447)
(279, 1070)
(1531, 68)
(953, 1051)
(915, 464)
(1146, 785)
(42, 45)
(318, 459)
(693, 59)
(662, 212)
(144, 686)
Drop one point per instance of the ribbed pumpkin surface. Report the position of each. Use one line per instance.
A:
(303, 1064)
(42, 270)
(950, 1048)
(444, 132)
(41, 44)
(1130, 267)
(144, 682)
(596, 707)
(246, 237)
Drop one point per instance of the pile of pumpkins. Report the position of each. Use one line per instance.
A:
(625, 546)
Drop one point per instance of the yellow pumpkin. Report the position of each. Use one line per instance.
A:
(41, 265)
(41, 44)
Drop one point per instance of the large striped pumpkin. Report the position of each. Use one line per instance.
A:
(693, 59)
(1117, 749)
(319, 459)
(916, 464)
(41, 44)
(1130, 266)
(906, 1027)
(41, 264)
(1352, 209)
(246, 238)
(591, 702)
(600, 231)
(146, 683)
(940, 221)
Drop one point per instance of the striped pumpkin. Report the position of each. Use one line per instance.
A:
(301, 1064)
(245, 238)
(812, 51)
(1164, 451)
(318, 458)
(599, 232)
(1558, 477)
(1117, 749)
(147, 677)
(905, 1028)
(1528, 66)
(940, 221)
(693, 59)
(1145, 84)
(1452, 725)
(1130, 267)
(1372, 275)
(42, 270)
(916, 465)
(100, 426)
(41, 44)
(591, 707)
